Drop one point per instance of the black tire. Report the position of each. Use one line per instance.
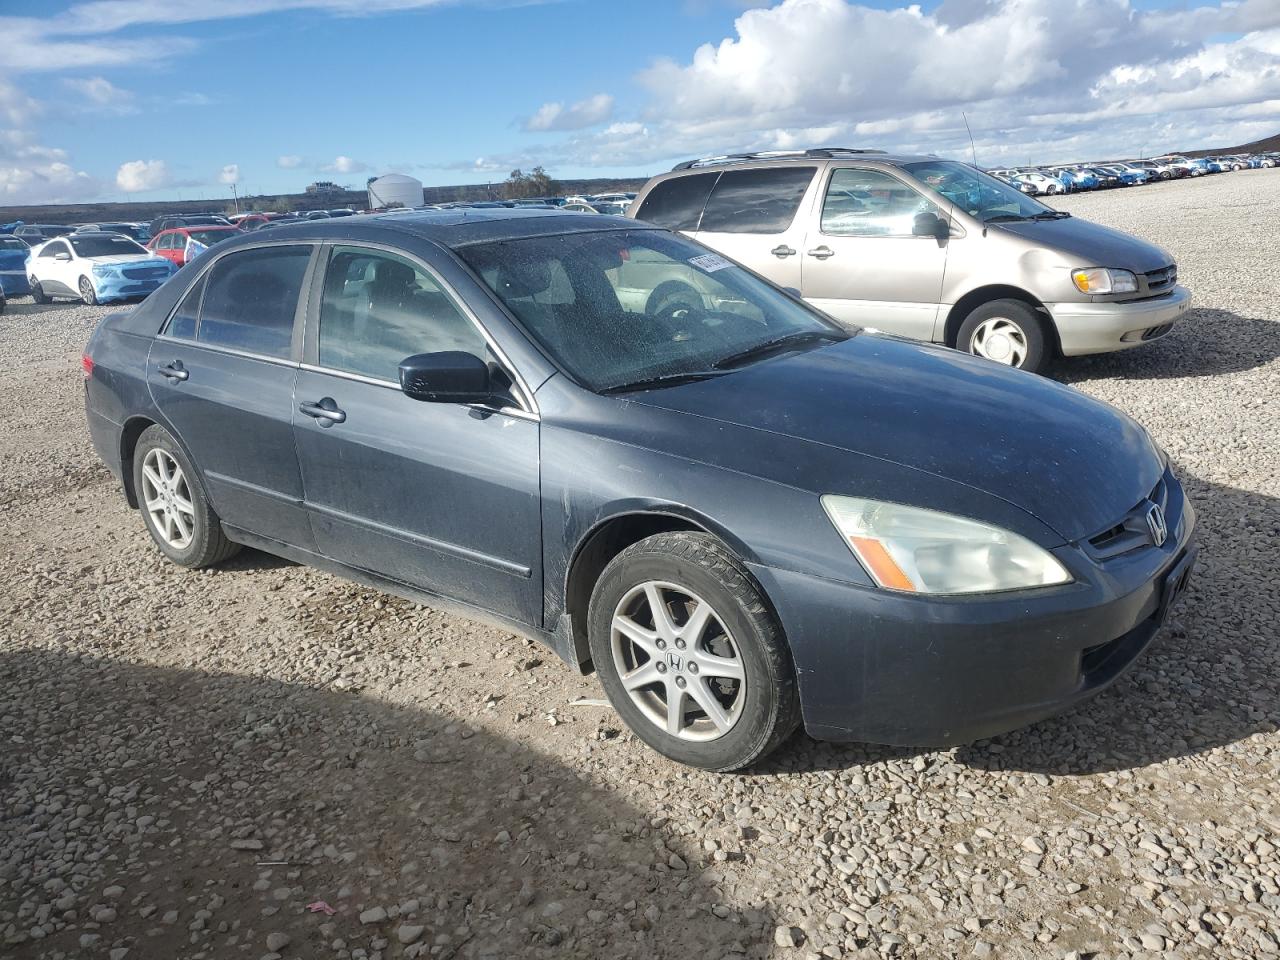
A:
(87, 293)
(1036, 352)
(37, 292)
(770, 708)
(3, 302)
(209, 545)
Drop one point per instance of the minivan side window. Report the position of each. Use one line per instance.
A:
(677, 203)
(251, 297)
(756, 201)
(377, 309)
(867, 203)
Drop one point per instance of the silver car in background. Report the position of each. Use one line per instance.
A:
(926, 248)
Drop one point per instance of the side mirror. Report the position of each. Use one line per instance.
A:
(450, 376)
(930, 225)
(794, 291)
(62, 257)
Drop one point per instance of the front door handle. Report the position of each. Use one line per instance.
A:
(326, 411)
(822, 252)
(175, 371)
(782, 250)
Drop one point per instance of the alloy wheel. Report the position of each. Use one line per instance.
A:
(677, 661)
(167, 498)
(1001, 340)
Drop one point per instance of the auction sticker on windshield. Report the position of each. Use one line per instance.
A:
(709, 262)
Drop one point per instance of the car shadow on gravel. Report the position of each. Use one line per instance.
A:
(1211, 677)
(131, 791)
(1204, 343)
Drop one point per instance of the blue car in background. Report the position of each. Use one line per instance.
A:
(13, 266)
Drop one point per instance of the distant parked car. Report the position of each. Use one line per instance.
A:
(183, 243)
(1131, 175)
(131, 230)
(39, 232)
(95, 268)
(343, 212)
(191, 220)
(316, 215)
(1041, 183)
(13, 266)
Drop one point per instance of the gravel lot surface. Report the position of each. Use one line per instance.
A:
(264, 760)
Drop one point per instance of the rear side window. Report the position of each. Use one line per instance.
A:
(250, 300)
(756, 201)
(183, 322)
(677, 203)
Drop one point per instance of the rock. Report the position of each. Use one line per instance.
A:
(785, 936)
(409, 932)
(277, 941)
(373, 915)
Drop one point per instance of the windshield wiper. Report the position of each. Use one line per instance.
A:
(1052, 215)
(776, 345)
(1003, 218)
(663, 380)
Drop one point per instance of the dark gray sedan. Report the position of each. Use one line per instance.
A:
(604, 436)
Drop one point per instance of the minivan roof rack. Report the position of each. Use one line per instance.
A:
(818, 153)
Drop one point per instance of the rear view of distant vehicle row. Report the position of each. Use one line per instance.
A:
(1070, 178)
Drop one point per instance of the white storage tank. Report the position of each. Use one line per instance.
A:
(395, 189)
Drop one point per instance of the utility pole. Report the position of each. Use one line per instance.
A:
(235, 197)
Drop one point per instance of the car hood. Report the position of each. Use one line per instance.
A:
(1074, 463)
(131, 259)
(1092, 244)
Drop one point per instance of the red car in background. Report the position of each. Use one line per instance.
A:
(173, 244)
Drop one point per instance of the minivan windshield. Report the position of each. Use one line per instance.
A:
(980, 195)
(627, 309)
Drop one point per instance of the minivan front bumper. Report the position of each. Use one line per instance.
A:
(1102, 326)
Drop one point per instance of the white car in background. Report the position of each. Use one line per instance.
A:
(1043, 184)
(95, 268)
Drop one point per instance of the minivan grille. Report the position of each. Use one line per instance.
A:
(1163, 279)
(1131, 532)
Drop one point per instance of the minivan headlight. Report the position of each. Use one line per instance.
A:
(924, 551)
(1103, 280)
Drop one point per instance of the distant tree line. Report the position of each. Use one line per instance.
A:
(535, 183)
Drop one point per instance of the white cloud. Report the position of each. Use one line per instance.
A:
(229, 174)
(138, 176)
(33, 173)
(100, 92)
(290, 161)
(343, 164)
(584, 113)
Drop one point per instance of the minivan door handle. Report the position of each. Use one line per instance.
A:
(174, 371)
(822, 252)
(326, 411)
(782, 250)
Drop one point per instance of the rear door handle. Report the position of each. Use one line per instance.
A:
(782, 250)
(822, 252)
(326, 411)
(175, 371)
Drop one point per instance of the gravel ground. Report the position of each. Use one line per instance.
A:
(264, 760)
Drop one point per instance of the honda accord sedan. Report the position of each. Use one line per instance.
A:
(742, 516)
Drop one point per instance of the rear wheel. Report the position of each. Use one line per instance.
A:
(173, 503)
(1006, 331)
(87, 293)
(689, 654)
(37, 292)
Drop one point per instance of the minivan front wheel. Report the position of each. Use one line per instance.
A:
(689, 654)
(1006, 331)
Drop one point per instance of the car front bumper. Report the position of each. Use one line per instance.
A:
(115, 287)
(1103, 326)
(884, 667)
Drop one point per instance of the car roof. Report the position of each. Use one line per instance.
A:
(458, 227)
(766, 158)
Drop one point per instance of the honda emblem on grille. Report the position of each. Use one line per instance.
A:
(1157, 525)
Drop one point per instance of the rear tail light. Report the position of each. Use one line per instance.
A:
(86, 364)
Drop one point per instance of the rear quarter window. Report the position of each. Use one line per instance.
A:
(251, 297)
(756, 201)
(677, 203)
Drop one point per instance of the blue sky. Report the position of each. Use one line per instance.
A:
(161, 98)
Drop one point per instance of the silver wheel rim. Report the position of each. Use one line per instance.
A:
(1001, 340)
(678, 662)
(86, 290)
(167, 498)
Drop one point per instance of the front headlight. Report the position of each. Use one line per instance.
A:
(103, 270)
(924, 551)
(1102, 280)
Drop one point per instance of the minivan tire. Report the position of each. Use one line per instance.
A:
(1025, 344)
(744, 632)
(208, 544)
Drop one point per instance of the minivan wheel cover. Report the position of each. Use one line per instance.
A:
(1000, 339)
(167, 498)
(677, 661)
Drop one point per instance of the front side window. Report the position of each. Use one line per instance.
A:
(377, 309)
(251, 298)
(51, 250)
(868, 203)
(981, 196)
(756, 201)
(677, 203)
(618, 309)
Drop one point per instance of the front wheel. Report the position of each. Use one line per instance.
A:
(690, 655)
(87, 293)
(1006, 331)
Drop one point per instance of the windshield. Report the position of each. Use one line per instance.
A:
(13, 243)
(623, 307)
(112, 246)
(210, 237)
(978, 194)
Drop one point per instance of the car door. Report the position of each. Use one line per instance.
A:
(750, 217)
(222, 373)
(53, 268)
(862, 263)
(443, 497)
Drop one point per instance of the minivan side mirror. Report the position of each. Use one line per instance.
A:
(929, 224)
(450, 376)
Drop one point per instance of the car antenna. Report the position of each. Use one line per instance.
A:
(972, 149)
